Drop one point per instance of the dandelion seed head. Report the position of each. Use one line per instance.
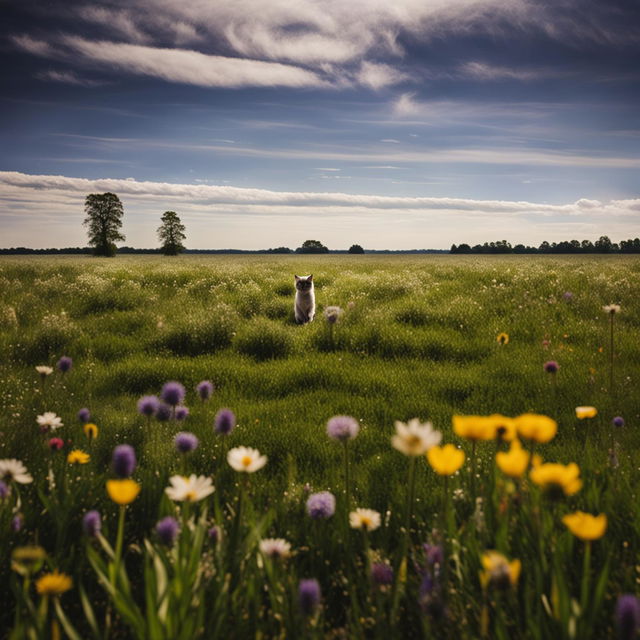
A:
(342, 428)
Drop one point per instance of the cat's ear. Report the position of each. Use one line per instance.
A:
(310, 278)
(297, 278)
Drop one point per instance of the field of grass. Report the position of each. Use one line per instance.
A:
(417, 338)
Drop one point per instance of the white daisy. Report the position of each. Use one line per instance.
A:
(611, 308)
(49, 421)
(275, 548)
(12, 469)
(415, 438)
(366, 519)
(246, 459)
(43, 370)
(191, 489)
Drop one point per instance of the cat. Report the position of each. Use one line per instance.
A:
(305, 304)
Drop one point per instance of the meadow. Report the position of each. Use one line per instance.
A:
(426, 337)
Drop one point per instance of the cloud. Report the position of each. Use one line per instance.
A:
(68, 77)
(119, 22)
(482, 71)
(376, 76)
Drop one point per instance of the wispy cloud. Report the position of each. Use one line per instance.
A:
(68, 77)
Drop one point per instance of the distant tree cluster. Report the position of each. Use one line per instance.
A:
(312, 246)
(602, 245)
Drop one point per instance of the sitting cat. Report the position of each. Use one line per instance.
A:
(305, 304)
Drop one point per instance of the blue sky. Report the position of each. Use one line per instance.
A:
(405, 124)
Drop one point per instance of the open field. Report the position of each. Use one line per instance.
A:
(418, 338)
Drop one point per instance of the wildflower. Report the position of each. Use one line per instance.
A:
(84, 415)
(585, 526)
(17, 522)
(204, 390)
(246, 459)
(214, 534)
(381, 574)
(55, 444)
(611, 309)
(276, 548)
(366, 519)
(44, 371)
(321, 505)
(308, 596)
(148, 405)
(536, 427)
(434, 554)
(446, 460)
(430, 597)
(498, 571)
(474, 427)
(515, 462)
(5, 490)
(551, 366)
(123, 491)
(77, 456)
(342, 428)
(167, 530)
(90, 430)
(173, 393)
(124, 460)
(618, 421)
(415, 438)
(181, 413)
(627, 616)
(191, 489)
(502, 338)
(332, 314)
(185, 442)
(64, 364)
(586, 412)
(224, 422)
(27, 560)
(92, 523)
(49, 421)
(163, 412)
(567, 296)
(53, 584)
(12, 469)
(503, 428)
(557, 479)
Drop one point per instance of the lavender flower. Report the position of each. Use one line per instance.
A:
(181, 413)
(124, 460)
(163, 412)
(321, 505)
(173, 393)
(92, 523)
(381, 574)
(84, 415)
(148, 405)
(167, 530)
(5, 490)
(224, 422)
(214, 534)
(308, 596)
(627, 616)
(204, 390)
(618, 421)
(551, 367)
(342, 428)
(17, 522)
(64, 364)
(185, 442)
(434, 554)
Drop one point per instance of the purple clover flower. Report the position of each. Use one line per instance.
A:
(627, 616)
(182, 412)
(163, 413)
(167, 530)
(381, 574)
(224, 422)
(84, 415)
(148, 405)
(618, 421)
(185, 442)
(173, 393)
(342, 428)
(5, 490)
(204, 390)
(124, 460)
(321, 505)
(92, 523)
(551, 367)
(308, 596)
(64, 364)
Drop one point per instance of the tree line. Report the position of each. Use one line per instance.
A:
(602, 245)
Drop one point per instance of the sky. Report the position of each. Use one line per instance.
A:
(263, 123)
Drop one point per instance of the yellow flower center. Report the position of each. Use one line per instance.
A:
(190, 495)
(246, 461)
(366, 522)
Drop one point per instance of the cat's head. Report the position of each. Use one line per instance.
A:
(304, 283)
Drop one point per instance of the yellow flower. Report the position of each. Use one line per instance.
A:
(78, 457)
(536, 427)
(502, 338)
(513, 463)
(474, 427)
(585, 526)
(498, 571)
(123, 491)
(557, 478)
(53, 584)
(504, 428)
(91, 430)
(586, 412)
(445, 460)
(27, 560)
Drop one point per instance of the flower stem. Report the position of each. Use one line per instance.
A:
(119, 541)
(347, 489)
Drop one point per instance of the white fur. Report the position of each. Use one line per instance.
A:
(305, 304)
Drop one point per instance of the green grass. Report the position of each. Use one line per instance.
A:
(417, 338)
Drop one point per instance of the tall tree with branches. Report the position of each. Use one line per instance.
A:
(171, 234)
(104, 213)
